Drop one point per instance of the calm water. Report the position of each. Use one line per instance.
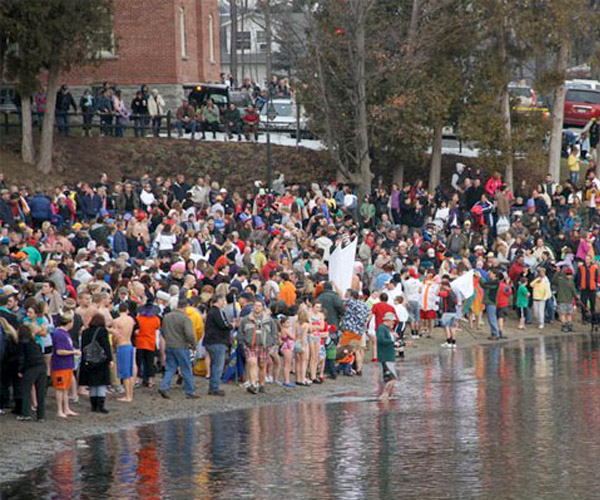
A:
(519, 420)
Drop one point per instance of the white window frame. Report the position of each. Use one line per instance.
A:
(211, 38)
(182, 33)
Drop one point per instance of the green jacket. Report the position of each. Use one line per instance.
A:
(490, 290)
(564, 287)
(523, 296)
(385, 345)
(333, 307)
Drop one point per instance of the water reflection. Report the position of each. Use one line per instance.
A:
(508, 421)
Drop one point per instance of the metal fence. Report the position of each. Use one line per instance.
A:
(139, 124)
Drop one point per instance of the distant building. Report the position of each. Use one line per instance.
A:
(163, 43)
(288, 37)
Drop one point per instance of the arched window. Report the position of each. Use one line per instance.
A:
(182, 32)
(211, 38)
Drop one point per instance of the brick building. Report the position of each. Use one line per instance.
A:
(163, 43)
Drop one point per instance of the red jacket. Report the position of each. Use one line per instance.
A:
(504, 293)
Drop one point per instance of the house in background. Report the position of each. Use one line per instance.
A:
(162, 43)
(287, 41)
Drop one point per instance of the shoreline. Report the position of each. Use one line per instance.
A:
(27, 445)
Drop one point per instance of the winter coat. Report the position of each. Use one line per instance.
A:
(41, 207)
(333, 307)
(95, 375)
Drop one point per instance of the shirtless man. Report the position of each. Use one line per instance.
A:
(85, 309)
(121, 330)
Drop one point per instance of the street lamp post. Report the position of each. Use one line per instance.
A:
(271, 115)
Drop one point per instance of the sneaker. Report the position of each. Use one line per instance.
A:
(317, 381)
(252, 389)
(41, 420)
(289, 384)
(191, 396)
(246, 384)
(121, 389)
(268, 380)
(22, 418)
(446, 344)
(541, 327)
(164, 394)
(218, 392)
(261, 389)
(415, 336)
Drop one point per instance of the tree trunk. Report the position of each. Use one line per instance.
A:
(435, 170)
(508, 173)
(233, 63)
(398, 174)
(27, 147)
(413, 27)
(505, 104)
(46, 144)
(362, 132)
(558, 112)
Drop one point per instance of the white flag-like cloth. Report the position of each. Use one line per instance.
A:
(464, 285)
(341, 266)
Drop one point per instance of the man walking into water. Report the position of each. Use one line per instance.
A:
(122, 329)
(387, 354)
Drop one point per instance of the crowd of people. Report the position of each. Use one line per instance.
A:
(147, 110)
(108, 285)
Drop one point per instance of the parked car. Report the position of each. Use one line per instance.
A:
(524, 94)
(199, 93)
(286, 117)
(581, 105)
(583, 84)
(241, 100)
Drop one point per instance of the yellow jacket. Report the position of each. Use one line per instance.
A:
(197, 321)
(541, 289)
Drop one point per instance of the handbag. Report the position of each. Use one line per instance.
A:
(93, 353)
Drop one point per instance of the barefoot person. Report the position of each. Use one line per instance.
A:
(386, 354)
(62, 365)
(122, 329)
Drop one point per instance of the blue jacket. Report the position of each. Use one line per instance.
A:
(120, 243)
(91, 205)
(41, 207)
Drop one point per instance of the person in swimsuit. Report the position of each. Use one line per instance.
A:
(301, 346)
(288, 340)
(317, 332)
(121, 330)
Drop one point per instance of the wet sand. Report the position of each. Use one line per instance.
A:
(27, 445)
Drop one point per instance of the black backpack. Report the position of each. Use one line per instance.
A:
(93, 353)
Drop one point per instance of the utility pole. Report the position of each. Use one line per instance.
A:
(268, 38)
(233, 62)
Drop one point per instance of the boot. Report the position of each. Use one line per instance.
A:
(94, 403)
(101, 408)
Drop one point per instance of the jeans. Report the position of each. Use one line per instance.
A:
(178, 358)
(574, 177)
(217, 362)
(98, 391)
(493, 319)
(140, 124)
(156, 125)
(62, 122)
(191, 125)
(106, 121)
(207, 126)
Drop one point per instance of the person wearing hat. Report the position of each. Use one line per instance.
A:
(387, 354)
(564, 286)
